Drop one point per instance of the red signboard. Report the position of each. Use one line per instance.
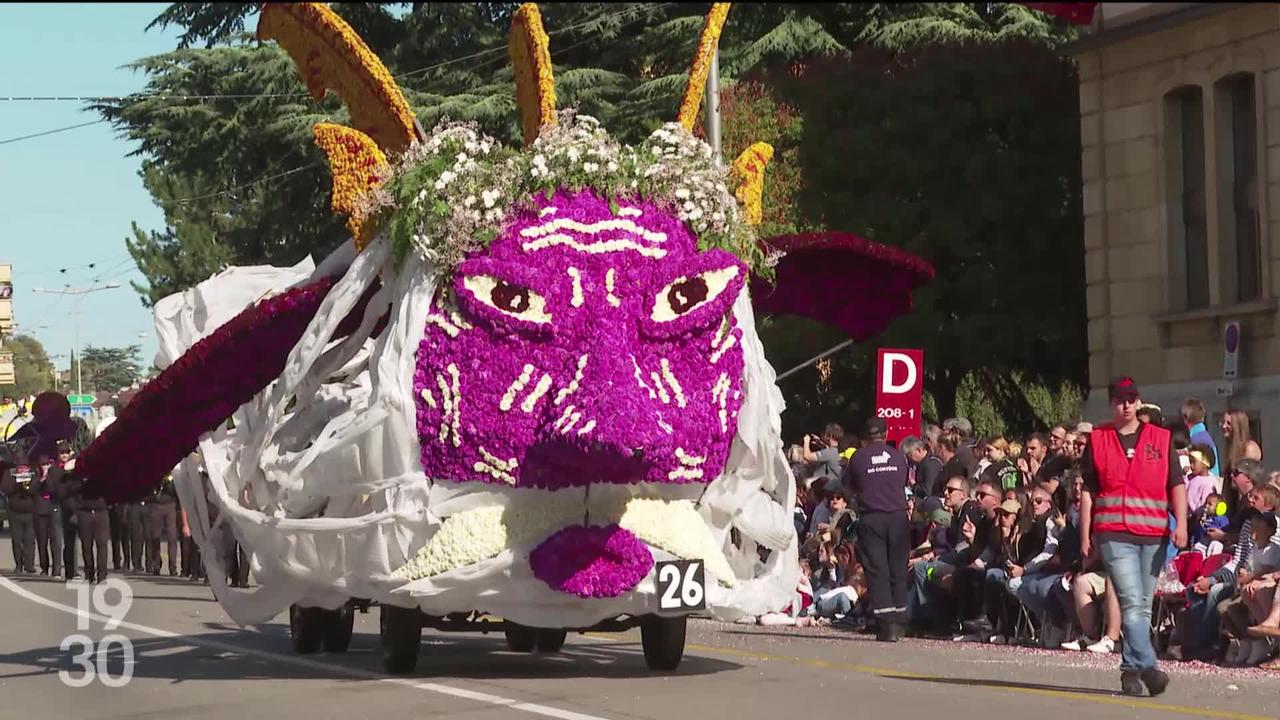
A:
(899, 391)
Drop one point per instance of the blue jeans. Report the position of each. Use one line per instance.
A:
(1134, 569)
(1037, 594)
(835, 605)
(1202, 610)
(921, 607)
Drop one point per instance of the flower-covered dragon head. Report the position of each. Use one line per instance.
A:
(589, 323)
(585, 333)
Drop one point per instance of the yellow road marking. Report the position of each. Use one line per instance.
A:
(888, 673)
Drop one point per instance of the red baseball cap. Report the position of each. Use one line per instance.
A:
(1123, 388)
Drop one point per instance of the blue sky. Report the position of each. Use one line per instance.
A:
(69, 198)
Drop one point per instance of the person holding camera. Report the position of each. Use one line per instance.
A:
(18, 483)
(823, 451)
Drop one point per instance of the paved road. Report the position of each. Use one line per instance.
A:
(191, 662)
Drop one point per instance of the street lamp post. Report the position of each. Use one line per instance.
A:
(78, 294)
(54, 370)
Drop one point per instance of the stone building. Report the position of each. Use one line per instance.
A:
(1180, 130)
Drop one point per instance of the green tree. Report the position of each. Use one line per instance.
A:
(240, 182)
(33, 371)
(107, 370)
(968, 155)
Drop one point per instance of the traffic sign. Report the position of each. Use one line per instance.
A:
(899, 391)
(1231, 351)
(85, 399)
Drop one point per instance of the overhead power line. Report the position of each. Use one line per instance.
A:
(139, 97)
(51, 132)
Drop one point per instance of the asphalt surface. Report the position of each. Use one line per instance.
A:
(190, 661)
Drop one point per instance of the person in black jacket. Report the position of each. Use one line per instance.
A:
(164, 525)
(91, 517)
(981, 541)
(878, 475)
(70, 523)
(17, 483)
(47, 518)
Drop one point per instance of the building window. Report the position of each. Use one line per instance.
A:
(1237, 153)
(1188, 220)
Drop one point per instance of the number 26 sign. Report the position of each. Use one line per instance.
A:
(899, 391)
(682, 585)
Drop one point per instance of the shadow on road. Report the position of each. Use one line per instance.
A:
(266, 655)
(1006, 684)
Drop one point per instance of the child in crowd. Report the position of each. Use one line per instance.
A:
(1210, 515)
(1254, 580)
(1202, 480)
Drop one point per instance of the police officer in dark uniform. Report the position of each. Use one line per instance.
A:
(119, 536)
(877, 475)
(138, 518)
(92, 524)
(164, 525)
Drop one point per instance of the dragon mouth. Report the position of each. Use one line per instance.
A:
(558, 464)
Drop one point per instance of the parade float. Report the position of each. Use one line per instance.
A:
(529, 395)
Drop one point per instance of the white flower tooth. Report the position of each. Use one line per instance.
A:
(456, 405)
(612, 299)
(576, 276)
(544, 384)
(573, 384)
(662, 390)
(516, 386)
(719, 353)
(671, 380)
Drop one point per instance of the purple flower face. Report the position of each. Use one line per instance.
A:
(583, 346)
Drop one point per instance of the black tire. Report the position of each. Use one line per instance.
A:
(663, 641)
(550, 641)
(307, 627)
(337, 636)
(521, 638)
(401, 631)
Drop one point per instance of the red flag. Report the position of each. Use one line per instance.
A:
(1079, 13)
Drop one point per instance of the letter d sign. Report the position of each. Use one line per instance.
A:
(899, 393)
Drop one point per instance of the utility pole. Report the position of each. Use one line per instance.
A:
(77, 295)
(712, 101)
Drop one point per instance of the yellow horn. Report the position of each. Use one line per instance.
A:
(693, 92)
(531, 60)
(749, 168)
(357, 166)
(331, 56)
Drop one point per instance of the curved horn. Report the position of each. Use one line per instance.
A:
(693, 92)
(531, 60)
(357, 166)
(331, 56)
(749, 167)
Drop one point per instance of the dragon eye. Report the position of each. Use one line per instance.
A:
(514, 300)
(686, 294)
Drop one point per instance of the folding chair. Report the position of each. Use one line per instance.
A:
(1027, 631)
(1163, 616)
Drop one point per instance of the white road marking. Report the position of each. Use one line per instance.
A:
(296, 661)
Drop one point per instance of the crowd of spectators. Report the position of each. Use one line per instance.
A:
(996, 549)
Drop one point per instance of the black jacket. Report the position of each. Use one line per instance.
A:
(71, 492)
(21, 494)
